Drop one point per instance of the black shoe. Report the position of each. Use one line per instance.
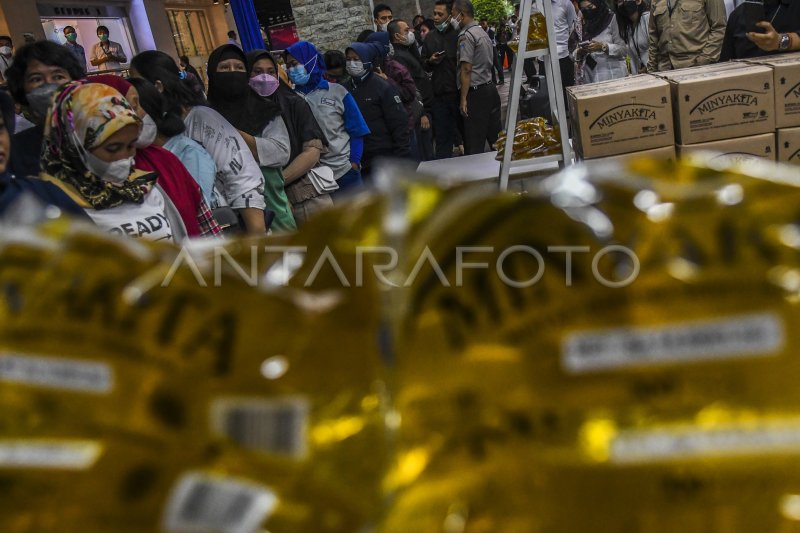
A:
(501, 82)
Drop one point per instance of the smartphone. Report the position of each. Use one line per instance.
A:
(753, 12)
(584, 44)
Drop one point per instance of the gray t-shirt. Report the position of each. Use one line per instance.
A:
(328, 107)
(475, 47)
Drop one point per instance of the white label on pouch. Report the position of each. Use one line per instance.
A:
(203, 503)
(49, 454)
(56, 372)
(756, 335)
(696, 443)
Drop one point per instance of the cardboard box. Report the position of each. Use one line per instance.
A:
(620, 116)
(665, 153)
(722, 101)
(789, 145)
(786, 84)
(757, 146)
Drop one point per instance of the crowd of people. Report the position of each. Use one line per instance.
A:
(272, 139)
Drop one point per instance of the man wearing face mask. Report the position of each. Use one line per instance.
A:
(777, 34)
(6, 55)
(107, 54)
(39, 69)
(72, 45)
(439, 58)
(480, 102)
(685, 33)
(382, 15)
(405, 53)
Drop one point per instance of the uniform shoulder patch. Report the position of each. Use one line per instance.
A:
(397, 99)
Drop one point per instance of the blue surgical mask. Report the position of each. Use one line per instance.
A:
(443, 25)
(299, 75)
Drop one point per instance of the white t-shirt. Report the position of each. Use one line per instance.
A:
(239, 181)
(564, 17)
(147, 220)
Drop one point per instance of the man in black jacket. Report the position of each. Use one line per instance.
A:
(405, 53)
(439, 58)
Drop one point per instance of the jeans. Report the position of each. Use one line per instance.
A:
(445, 123)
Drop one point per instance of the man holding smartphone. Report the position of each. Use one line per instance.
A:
(762, 28)
(439, 58)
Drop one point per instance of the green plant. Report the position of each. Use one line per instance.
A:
(492, 10)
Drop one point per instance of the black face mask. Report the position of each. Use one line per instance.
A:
(629, 8)
(231, 85)
(589, 14)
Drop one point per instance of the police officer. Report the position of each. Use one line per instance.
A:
(479, 102)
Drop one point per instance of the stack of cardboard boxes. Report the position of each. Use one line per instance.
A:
(731, 108)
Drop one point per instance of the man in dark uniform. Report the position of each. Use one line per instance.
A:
(439, 58)
(479, 102)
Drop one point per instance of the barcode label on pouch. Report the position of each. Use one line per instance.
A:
(202, 503)
(277, 426)
(49, 454)
(56, 372)
(756, 335)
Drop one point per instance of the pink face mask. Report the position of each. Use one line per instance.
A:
(264, 84)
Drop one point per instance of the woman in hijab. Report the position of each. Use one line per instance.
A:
(380, 104)
(305, 136)
(90, 142)
(601, 50)
(336, 112)
(259, 122)
(11, 187)
(173, 177)
(239, 183)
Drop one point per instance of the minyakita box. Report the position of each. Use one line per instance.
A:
(722, 101)
(757, 146)
(621, 116)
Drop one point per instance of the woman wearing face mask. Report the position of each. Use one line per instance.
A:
(239, 183)
(170, 135)
(259, 122)
(173, 177)
(633, 18)
(423, 29)
(601, 50)
(37, 72)
(88, 152)
(380, 105)
(336, 112)
(306, 138)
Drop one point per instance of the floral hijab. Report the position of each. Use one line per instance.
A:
(86, 114)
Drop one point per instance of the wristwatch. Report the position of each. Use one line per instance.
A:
(784, 42)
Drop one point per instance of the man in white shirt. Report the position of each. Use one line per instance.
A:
(564, 18)
(106, 54)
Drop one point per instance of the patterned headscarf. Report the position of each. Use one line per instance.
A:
(87, 114)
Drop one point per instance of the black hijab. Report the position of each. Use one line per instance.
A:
(229, 93)
(592, 27)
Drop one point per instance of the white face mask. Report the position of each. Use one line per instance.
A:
(116, 173)
(410, 39)
(5, 50)
(355, 68)
(383, 27)
(148, 133)
(456, 22)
